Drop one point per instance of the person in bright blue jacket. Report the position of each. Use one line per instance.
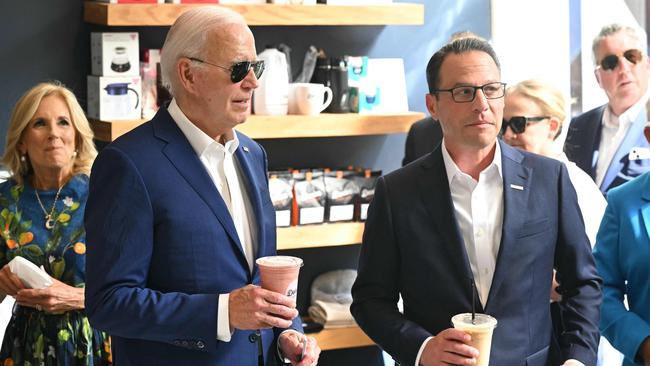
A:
(622, 255)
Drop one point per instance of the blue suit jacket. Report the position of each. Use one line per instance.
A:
(412, 246)
(622, 254)
(162, 246)
(583, 141)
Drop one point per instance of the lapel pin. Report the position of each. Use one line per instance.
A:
(517, 187)
(246, 148)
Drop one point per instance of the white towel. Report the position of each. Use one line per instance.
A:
(331, 315)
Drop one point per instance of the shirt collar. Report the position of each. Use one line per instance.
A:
(199, 140)
(453, 170)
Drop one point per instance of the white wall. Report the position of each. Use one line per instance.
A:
(531, 38)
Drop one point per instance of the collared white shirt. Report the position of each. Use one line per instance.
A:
(613, 131)
(478, 206)
(220, 162)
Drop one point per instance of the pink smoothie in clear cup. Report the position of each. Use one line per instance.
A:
(279, 274)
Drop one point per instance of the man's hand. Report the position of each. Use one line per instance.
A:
(555, 296)
(253, 307)
(300, 349)
(449, 347)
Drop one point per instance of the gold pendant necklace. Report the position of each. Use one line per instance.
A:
(49, 222)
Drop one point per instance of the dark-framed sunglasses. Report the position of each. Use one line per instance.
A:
(518, 124)
(610, 62)
(239, 70)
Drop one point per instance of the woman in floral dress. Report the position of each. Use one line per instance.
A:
(49, 151)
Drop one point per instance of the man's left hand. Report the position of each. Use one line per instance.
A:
(299, 348)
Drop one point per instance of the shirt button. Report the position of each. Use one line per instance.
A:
(200, 345)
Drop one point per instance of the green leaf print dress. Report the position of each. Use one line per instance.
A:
(33, 337)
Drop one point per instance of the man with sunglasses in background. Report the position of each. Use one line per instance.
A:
(607, 142)
(179, 209)
(475, 224)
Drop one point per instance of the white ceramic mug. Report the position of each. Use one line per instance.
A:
(307, 98)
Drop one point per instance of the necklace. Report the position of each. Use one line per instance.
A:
(49, 223)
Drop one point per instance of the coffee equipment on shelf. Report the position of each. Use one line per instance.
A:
(272, 94)
(115, 53)
(120, 62)
(333, 73)
(114, 98)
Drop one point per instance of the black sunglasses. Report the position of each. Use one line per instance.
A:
(610, 62)
(239, 70)
(518, 124)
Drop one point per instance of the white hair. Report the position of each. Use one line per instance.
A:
(188, 35)
(635, 33)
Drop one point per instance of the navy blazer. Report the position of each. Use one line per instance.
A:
(412, 246)
(162, 246)
(583, 141)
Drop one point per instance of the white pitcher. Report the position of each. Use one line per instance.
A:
(272, 94)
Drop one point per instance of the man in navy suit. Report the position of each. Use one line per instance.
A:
(607, 142)
(476, 214)
(179, 210)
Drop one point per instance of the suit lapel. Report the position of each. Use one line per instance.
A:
(180, 153)
(255, 190)
(593, 139)
(633, 137)
(433, 186)
(515, 202)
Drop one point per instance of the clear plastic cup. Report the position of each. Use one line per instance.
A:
(279, 273)
(480, 331)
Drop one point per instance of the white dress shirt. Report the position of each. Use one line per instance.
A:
(613, 131)
(478, 206)
(220, 163)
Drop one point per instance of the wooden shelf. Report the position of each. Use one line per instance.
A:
(323, 235)
(292, 126)
(259, 14)
(339, 338)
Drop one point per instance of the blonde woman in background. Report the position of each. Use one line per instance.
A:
(49, 151)
(532, 120)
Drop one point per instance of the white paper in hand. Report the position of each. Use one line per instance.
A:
(29, 273)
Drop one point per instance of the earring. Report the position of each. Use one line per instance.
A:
(74, 154)
(22, 158)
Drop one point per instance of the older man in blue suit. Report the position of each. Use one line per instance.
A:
(178, 212)
(607, 142)
(622, 254)
(476, 211)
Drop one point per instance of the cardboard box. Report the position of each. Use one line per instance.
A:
(115, 54)
(113, 98)
(381, 84)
